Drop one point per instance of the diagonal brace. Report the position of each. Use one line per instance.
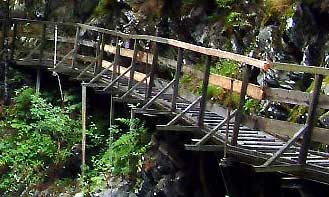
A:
(135, 86)
(150, 102)
(100, 74)
(212, 132)
(184, 111)
(286, 146)
(117, 79)
(87, 68)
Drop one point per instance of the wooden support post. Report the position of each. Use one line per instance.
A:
(311, 118)
(42, 46)
(13, 44)
(83, 122)
(98, 68)
(152, 72)
(239, 114)
(177, 77)
(133, 65)
(76, 45)
(111, 110)
(205, 83)
(116, 59)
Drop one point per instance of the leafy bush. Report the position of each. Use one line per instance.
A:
(35, 136)
(226, 68)
(123, 154)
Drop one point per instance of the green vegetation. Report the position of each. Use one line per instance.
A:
(227, 68)
(122, 156)
(225, 3)
(36, 136)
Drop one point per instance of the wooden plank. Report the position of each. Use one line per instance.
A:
(279, 168)
(177, 78)
(299, 68)
(253, 91)
(204, 148)
(294, 97)
(284, 129)
(177, 128)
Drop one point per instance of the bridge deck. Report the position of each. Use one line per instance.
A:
(249, 145)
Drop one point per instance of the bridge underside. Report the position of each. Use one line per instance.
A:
(254, 146)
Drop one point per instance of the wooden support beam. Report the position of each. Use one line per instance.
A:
(286, 146)
(13, 44)
(203, 100)
(116, 59)
(177, 77)
(84, 71)
(279, 168)
(188, 108)
(311, 118)
(299, 68)
(204, 148)
(65, 58)
(152, 112)
(239, 113)
(177, 128)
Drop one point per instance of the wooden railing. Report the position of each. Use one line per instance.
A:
(98, 43)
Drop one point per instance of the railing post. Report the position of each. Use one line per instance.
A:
(310, 122)
(177, 77)
(83, 122)
(133, 65)
(13, 44)
(239, 113)
(116, 59)
(42, 46)
(76, 45)
(98, 56)
(205, 83)
(152, 71)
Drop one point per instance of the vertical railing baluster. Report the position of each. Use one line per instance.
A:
(239, 112)
(116, 59)
(203, 101)
(13, 44)
(97, 68)
(76, 45)
(152, 71)
(177, 77)
(311, 118)
(133, 65)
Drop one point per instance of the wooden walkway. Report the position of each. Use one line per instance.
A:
(268, 145)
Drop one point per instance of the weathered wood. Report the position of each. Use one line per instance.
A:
(253, 91)
(176, 78)
(152, 100)
(284, 129)
(76, 46)
(83, 123)
(212, 132)
(110, 85)
(300, 68)
(311, 118)
(116, 59)
(203, 100)
(239, 113)
(13, 44)
(98, 67)
(279, 168)
(177, 128)
(286, 146)
(152, 71)
(107, 68)
(140, 82)
(294, 97)
(204, 148)
(84, 71)
(133, 64)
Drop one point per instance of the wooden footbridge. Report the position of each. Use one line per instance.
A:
(97, 57)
